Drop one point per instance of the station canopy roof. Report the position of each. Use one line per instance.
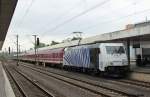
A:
(7, 8)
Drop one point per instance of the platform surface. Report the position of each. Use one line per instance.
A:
(145, 69)
(2, 83)
(141, 74)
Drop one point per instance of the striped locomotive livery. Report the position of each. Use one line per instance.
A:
(77, 56)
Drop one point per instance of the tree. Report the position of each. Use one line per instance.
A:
(54, 43)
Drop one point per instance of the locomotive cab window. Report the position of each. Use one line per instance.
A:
(115, 50)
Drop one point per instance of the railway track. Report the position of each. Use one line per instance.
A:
(97, 89)
(26, 86)
(136, 83)
(125, 81)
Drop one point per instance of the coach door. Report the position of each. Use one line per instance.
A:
(94, 57)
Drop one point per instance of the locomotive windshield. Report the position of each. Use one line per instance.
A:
(115, 49)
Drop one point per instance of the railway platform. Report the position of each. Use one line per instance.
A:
(141, 73)
(5, 87)
(145, 69)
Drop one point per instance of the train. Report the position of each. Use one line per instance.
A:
(103, 58)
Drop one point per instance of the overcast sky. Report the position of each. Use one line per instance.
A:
(49, 19)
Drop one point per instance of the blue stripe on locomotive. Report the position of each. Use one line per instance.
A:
(79, 57)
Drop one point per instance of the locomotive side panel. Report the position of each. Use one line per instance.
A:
(77, 57)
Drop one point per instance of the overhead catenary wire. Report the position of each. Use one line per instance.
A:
(112, 11)
(61, 16)
(76, 16)
(116, 19)
(89, 27)
(28, 9)
(82, 12)
(20, 22)
(25, 14)
(116, 10)
(16, 23)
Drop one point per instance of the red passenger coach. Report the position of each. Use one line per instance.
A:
(51, 55)
(45, 55)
